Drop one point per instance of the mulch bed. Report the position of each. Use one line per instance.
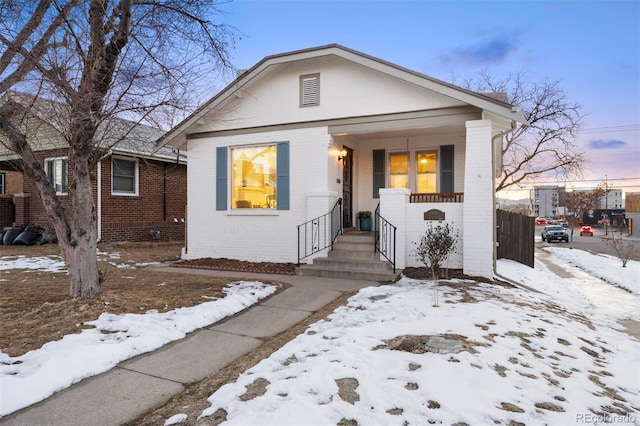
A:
(225, 264)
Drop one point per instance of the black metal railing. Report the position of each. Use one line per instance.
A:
(385, 238)
(318, 234)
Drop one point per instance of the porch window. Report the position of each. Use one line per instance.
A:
(124, 176)
(254, 177)
(426, 168)
(398, 170)
(56, 170)
(2, 184)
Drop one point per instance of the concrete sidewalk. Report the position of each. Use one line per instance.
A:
(148, 381)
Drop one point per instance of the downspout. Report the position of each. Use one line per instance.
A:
(493, 194)
(164, 192)
(99, 193)
(495, 232)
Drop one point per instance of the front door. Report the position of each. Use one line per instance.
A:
(347, 189)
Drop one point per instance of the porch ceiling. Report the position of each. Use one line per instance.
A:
(445, 121)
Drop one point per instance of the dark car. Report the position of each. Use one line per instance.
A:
(554, 232)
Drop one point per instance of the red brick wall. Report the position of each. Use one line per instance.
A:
(162, 196)
(13, 181)
(128, 218)
(7, 211)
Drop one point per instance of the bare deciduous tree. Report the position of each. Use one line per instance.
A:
(546, 144)
(86, 65)
(578, 203)
(625, 248)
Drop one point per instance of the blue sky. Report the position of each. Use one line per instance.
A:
(593, 47)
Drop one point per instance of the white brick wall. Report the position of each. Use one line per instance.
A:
(479, 204)
(255, 234)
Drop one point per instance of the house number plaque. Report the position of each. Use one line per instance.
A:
(434, 214)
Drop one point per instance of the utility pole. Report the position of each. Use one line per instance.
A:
(606, 205)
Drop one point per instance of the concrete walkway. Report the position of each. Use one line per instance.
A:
(148, 381)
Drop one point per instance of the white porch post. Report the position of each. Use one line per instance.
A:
(479, 203)
(393, 207)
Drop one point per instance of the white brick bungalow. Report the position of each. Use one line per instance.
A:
(264, 157)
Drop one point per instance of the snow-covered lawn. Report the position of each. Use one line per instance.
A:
(527, 357)
(32, 377)
(555, 358)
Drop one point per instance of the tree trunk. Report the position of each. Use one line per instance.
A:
(80, 251)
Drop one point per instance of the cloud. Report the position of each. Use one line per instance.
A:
(608, 144)
(488, 49)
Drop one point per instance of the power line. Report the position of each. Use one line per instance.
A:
(620, 128)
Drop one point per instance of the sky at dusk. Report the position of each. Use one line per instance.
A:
(592, 47)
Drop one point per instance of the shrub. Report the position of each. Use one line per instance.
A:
(436, 245)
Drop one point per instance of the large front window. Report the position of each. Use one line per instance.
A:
(253, 177)
(2, 184)
(56, 170)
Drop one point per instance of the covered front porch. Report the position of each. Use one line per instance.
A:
(460, 185)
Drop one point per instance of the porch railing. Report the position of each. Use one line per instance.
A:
(385, 238)
(439, 197)
(320, 233)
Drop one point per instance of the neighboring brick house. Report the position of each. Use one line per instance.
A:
(135, 189)
(303, 132)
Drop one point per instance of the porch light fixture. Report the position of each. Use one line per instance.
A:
(342, 154)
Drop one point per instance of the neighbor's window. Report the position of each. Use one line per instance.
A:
(253, 177)
(124, 176)
(56, 171)
(2, 183)
(310, 90)
(398, 170)
(426, 169)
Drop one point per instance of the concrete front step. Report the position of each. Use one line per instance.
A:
(350, 254)
(359, 275)
(352, 264)
(352, 258)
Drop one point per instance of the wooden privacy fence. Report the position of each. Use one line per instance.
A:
(515, 237)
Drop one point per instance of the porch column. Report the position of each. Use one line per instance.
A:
(393, 207)
(479, 203)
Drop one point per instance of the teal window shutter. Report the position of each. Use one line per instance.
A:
(446, 168)
(378, 171)
(221, 178)
(283, 176)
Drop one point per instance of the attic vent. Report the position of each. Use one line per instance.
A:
(310, 90)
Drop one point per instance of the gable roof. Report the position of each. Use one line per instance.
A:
(489, 102)
(120, 136)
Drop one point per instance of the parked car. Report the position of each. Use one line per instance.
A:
(554, 232)
(586, 230)
(564, 223)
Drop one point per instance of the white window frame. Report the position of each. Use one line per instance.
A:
(64, 184)
(412, 160)
(135, 177)
(3, 182)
